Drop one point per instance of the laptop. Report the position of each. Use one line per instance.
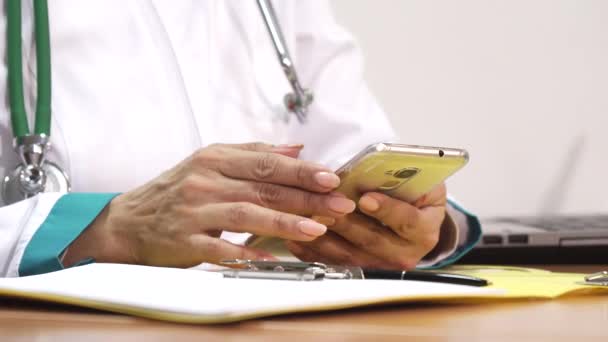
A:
(564, 239)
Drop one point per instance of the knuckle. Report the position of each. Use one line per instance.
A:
(184, 212)
(255, 146)
(188, 188)
(207, 156)
(310, 201)
(301, 172)
(244, 254)
(386, 211)
(212, 247)
(192, 187)
(202, 153)
(238, 213)
(266, 167)
(374, 240)
(269, 195)
(410, 221)
(207, 186)
(280, 222)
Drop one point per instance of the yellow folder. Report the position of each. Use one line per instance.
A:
(519, 282)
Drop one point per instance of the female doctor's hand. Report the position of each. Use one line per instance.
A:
(386, 233)
(177, 218)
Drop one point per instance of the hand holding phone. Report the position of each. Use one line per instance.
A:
(387, 232)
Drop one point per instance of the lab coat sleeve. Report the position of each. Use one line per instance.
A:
(35, 232)
(345, 117)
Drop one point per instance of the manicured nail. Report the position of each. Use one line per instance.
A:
(289, 146)
(420, 201)
(292, 150)
(368, 203)
(341, 205)
(324, 220)
(312, 228)
(327, 179)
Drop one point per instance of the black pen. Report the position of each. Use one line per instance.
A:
(431, 276)
(299, 270)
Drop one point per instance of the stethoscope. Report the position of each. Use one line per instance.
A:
(35, 174)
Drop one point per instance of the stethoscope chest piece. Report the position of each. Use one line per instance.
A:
(26, 181)
(35, 174)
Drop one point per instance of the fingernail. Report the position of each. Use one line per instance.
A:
(369, 203)
(327, 179)
(324, 220)
(420, 201)
(287, 150)
(341, 205)
(289, 146)
(312, 228)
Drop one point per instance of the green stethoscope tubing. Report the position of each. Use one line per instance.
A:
(43, 69)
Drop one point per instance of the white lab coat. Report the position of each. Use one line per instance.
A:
(140, 85)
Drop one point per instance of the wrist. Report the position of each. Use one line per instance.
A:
(100, 241)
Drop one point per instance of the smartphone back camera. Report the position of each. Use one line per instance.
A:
(398, 177)
(406, 173)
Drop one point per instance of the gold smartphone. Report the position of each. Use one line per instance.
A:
(401, 171)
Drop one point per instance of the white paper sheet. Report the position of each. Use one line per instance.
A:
(206, 297)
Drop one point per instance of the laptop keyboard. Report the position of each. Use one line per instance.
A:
(560, 223)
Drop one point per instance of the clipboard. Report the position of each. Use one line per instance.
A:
(202, 297)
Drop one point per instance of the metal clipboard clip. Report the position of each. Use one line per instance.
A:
(282, 270)
(597, 279)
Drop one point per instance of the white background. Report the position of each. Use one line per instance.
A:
(521, 84)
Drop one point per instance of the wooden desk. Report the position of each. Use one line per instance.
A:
(567, 319)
